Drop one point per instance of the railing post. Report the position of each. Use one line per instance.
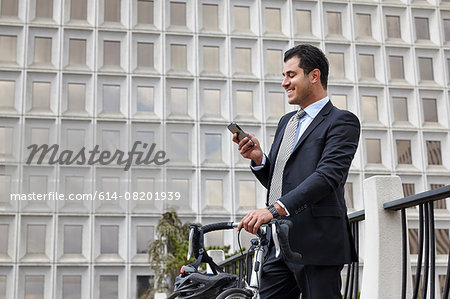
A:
(382, 274)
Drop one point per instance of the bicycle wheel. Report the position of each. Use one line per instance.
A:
(235, 293)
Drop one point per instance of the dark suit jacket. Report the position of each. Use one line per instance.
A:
(313, 185)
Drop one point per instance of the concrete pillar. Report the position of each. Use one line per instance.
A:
(382, 274)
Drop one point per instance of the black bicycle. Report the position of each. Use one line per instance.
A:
(193, 284)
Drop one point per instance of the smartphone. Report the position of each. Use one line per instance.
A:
(234, 128)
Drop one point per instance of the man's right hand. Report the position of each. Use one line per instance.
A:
(248, 151)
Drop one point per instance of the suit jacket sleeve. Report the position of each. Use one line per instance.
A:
(332, 169)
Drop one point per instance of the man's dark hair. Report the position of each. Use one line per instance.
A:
(310, 58)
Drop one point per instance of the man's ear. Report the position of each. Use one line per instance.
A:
(315, 76)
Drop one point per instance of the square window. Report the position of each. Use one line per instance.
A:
(109, 287)
(247, 194)
(145, 54)
(178, 55)
(243, 60)
(76, 97)
(73, 239)
(337, 66)
(8, 51)
(71, 286)
(143, 285)
(434, 153)
(408, 189)
(109, 239)
(369, 108)
(304, 24)
(396, 67)
(75, 138)
(178, 13)
(413, 235)
(179, 146)
(400, 108)
(34, 286)
(364, 25)
(4, 236)
(447, 29)
(211, 59)
(276, 104)
(404, 151)
(78, 9)
(241, 18)
(74, 185)
(145, 99)
(6, 141)
(211, 102)
(438, 204)
(41, 95)
(112, 10)
(213, 193)
(36, 238)
(393, 26)
(373, 150)
(44, 9)
(77, 51)
(273, 19)
(42, 50)
(111, 53)
(429, 110)
(442, 241)
(274, 62)
(179, 101)
(210, 16)
(426, 68)
(213, 147)
(334, 23)
(366, 66)
(244, 100)
(183, 187)
(144, 236)
(111, 98)
(340, 101)
(3, 282)
(422, 28)
(8, 94)
(9, 8)
(145, 12)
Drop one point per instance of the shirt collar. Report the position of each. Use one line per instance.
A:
(314, 109)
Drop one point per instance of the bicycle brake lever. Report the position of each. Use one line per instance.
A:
(275, 240)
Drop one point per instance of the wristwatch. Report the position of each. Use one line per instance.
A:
(273, 210)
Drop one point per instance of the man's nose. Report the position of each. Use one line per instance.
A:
(285, 82)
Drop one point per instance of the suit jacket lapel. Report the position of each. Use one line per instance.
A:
(316, 121)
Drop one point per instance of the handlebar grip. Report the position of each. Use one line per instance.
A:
(283, 232)
(216, 226)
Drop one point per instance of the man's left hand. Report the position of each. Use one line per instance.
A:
(253, 220)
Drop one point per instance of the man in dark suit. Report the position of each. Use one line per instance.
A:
(304, 173)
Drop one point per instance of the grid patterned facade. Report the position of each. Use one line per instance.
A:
(81, 73)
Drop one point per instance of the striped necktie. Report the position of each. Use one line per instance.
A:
(284, 153)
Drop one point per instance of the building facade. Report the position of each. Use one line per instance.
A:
(82, 73)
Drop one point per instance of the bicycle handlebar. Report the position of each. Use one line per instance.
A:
(282, 232)
(217, 226)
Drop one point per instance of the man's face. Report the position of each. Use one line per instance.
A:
(296, 83)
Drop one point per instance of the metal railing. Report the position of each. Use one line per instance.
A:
(234, 264)
(426, 243)
(353, 268)
(426, 262)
